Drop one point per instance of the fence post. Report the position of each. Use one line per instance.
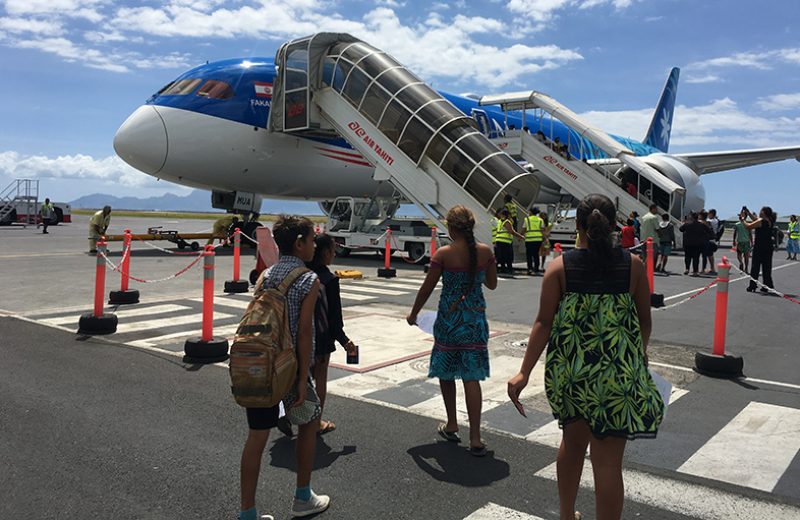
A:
(719, 364)
(96, 322)
(236, 285)
(387, 271)
(124, 296)
(206, 349)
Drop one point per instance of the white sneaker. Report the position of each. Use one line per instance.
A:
(316, 504)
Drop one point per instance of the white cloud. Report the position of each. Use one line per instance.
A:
(719, 124)
(68, 8)
(110, 170)
(708, 78)
(546, 10)
(30, 25)
(779, 102)
(755, 60)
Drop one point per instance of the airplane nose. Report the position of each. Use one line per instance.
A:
(141, 141)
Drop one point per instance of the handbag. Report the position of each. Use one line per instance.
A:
(308, 410)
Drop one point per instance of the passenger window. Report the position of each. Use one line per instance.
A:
(214, 89)
(182, 87)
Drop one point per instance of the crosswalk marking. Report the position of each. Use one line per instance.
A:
(219, 332)
(358, 287)
(356, 297)
(686, 498)
(759, 464)
(137, 326)
(123, 312)
(227, 302)
(494, 512)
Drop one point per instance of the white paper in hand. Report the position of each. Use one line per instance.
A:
(425, 321)
(664, 388)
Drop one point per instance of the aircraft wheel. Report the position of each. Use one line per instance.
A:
(57, 217)
(249, 229)
(341, 250)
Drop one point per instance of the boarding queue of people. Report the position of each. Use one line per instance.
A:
(573, 282)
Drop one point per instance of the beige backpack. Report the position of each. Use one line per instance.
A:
(263, 364)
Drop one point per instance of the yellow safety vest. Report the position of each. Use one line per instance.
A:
(533, 233)
(512, 210)
(495, 223)
(503, 235)
(794, 230)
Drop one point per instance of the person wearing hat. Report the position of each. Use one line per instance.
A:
(98, 225)
(666, 241)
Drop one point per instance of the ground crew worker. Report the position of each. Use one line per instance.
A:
(46, 211)
(495, 223)
(793, 244)
(98, 225)
(534, 227)
(505, 240)
(222, 227)
(512, 210)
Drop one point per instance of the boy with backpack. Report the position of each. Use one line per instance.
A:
(298, 289)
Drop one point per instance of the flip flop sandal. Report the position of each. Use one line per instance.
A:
(479, 451)
(329, 427)
(578, 515)
(446, 435)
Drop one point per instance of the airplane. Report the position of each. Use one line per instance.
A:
(208, 129)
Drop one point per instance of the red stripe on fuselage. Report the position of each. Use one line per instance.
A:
(340, 152)
(345, 159)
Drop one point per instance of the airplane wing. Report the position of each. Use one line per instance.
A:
(711, 162)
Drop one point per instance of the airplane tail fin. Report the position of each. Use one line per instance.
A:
(661, 126)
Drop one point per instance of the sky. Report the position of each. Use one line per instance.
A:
(73, 70)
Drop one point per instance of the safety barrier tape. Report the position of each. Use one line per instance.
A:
(179, 253)
(243, 235)
(404, 258)
(141, 280)
(688, 298)
(762, 286)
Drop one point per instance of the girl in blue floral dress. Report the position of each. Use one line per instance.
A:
(594, 318)
(461, 332)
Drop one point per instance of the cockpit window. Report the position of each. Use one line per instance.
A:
(215, 90)
(181, 88)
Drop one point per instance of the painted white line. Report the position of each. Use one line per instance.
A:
(357, 287)
(494, 512)
(732, 280)
(356, 297)
(123, 313)
(221, 332)
(227, 302)
(750, 379)
(692, 500)
(137, 326)
(763, 440)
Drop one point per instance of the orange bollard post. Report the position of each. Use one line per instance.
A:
(206, 349)
(656, 300)
(96, 322)
(719, 364)
(557, 250)
(236, 285)
(387, 271)
(125, 296)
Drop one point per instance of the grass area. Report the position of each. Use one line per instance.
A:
(181, 214)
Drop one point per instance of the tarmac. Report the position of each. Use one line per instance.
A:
(118, 426)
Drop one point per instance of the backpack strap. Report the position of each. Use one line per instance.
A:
(292, 277)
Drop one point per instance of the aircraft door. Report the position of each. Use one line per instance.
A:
(296, 95)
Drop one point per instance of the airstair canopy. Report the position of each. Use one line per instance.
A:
(437, 140)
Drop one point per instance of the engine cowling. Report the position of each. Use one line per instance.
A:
(682, 174)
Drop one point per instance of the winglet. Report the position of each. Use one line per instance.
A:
(661, 126)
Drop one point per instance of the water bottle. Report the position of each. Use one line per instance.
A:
(352, 356)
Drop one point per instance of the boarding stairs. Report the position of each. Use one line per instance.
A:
(580, 178)
(21, 195)
(335, 85)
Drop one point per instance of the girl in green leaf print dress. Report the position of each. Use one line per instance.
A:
(595, 315)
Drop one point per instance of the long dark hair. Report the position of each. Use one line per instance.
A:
(596, 215)
(324, 242)
(461, 220)
(771, 216)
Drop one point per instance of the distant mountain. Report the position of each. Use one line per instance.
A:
(197, 200)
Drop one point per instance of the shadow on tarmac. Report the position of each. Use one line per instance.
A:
(453, 464)
(282, 454)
